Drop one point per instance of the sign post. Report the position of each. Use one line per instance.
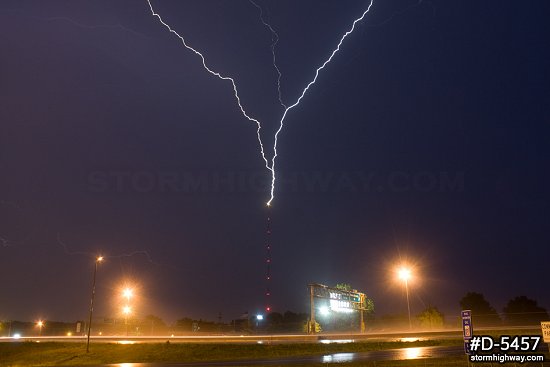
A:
(467, 329)
(545, 327)
(336, 300)
(312, 323)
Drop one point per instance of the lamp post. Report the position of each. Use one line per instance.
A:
(40, 325)
(405, 274)
(98, 260)
(126, 310)
(127, 293)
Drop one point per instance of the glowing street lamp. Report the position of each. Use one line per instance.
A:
(40, 325)
(98, 260)
(404, 274)
(127, 293)
(126, 310)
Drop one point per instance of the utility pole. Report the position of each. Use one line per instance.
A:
(361, 311)
(97, 260)
(312, 323)
(408, 304)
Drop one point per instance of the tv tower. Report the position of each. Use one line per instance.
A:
(268, 264)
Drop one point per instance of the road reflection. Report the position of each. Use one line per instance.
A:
(412, 353)
(380, 355)
(411, 339)
(338, 358)
(336, 341)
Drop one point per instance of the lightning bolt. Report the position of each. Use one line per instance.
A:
(220, 76)
(275, 38)
(78, 24)
(275, 41)
(7, 242)
(93, 256)
(305, 90)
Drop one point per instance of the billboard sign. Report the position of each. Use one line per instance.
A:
(340, 300)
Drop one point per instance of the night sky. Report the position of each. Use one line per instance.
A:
(426, 140)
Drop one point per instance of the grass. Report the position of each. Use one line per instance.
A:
(71, 354)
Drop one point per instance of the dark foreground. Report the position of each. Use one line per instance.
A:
(379, 354)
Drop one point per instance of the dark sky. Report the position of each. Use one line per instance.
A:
(425, 140)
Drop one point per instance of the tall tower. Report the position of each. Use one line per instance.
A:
(268, 265)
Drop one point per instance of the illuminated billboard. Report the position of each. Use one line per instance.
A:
(339, 300)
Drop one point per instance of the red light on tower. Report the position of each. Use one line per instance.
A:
(268, 265)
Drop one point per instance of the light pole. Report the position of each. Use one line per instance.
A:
(40, 325)
(127, 293)
(405, 274)
(98, 260)
(126, 310)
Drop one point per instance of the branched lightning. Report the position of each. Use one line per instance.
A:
(79, 24)
(281, 123)
(220, 76)
(275, 41)
(93, 256)
(275, 38)
(5, 242)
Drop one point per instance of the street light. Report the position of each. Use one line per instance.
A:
(126, 310)
(98, 260)
(127, 293)
(40, 325)
(324, 311)
(404, 274)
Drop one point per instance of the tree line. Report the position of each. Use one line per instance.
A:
(519, 311)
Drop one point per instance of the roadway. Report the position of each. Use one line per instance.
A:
(404, 335)
(245, 339)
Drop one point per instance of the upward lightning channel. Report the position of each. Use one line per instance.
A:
(287, 109)
(274, 42)
(304, 91)
(220, 76)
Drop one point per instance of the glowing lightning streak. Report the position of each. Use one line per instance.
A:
(275, 41)
(287, 109)
(273, 176)
(220, 77)
(93, 256)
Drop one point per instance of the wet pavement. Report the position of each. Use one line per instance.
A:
(382, 355)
